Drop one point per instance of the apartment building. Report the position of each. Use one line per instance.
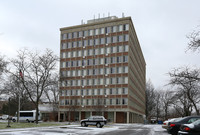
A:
(102, 71)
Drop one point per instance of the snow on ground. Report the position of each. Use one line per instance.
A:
(76, 129)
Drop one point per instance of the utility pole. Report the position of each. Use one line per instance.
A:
(18, 109)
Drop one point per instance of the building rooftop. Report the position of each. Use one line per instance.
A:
(101, 19)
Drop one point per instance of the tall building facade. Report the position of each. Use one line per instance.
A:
(102, 71)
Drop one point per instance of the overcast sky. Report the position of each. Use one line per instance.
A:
(161, 27)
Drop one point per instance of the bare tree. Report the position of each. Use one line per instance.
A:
(99, 105)
(166, 100)
(3, 64)
(35, 70)
(73, 105)
(51, 93)
(150, 100)
(188, 83)
(194, 41)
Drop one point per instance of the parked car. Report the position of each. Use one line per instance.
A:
(174, 127)
(4, 117)
(98, 121)
(166, 123)
(190, 129)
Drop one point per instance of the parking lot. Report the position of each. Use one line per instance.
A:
(76, 129)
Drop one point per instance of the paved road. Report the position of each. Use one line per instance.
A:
(115, 129)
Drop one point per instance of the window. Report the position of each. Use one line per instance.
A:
(79, 73)
(111, 91)
(102, 30)
(69, 55)
(107, 81)
(106, 70)
(68, 73)
(111, 101)
(96, 71)
(90, 32)
(118, 101)
(119, 48)
(79, 83)
(126, 48)
(84, 62)
(84, 42)
(73, 44)
(95, 61)
(126, 37)
(96, 51)
(84, 72)
(80, 34)
(69, 45)
(74, 34)
(63, 55)
(89, 72)
(101, 81)
(108, 40)
(91, 52)
(84, 52)
(106, 91)
(90, 42)
(79, 44)
(112, 60)
(83, 82)
(126, 79)
(95, 81)
(107, 50)
(74, 54)
(119, 69)
(85, 33)
(73, 73)
(125, 58)
(112, 70)
(102, 40)
(120, 38)
(96, 31)
(124, 101)
(69, 35)
(64, 36)
(101, 60)
(114, 39)
(126, 27)
(112, 80)
(106, 60)
(108, 29)
(124, 90)
(101, 71)
(90, 92)
(113, 49)
(68, 64)
(114, 28)
(125, 69)
(64, 45)
(90, 81)
(102, 51)
(79, 53)
(95, 91)
(72, 63)
(118, 80)
(120, 27)
(62, 102)
(96, 41)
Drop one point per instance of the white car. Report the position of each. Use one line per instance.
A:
(4, 117)
(166, 123)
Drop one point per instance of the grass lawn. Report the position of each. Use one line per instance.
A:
(3, 125)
